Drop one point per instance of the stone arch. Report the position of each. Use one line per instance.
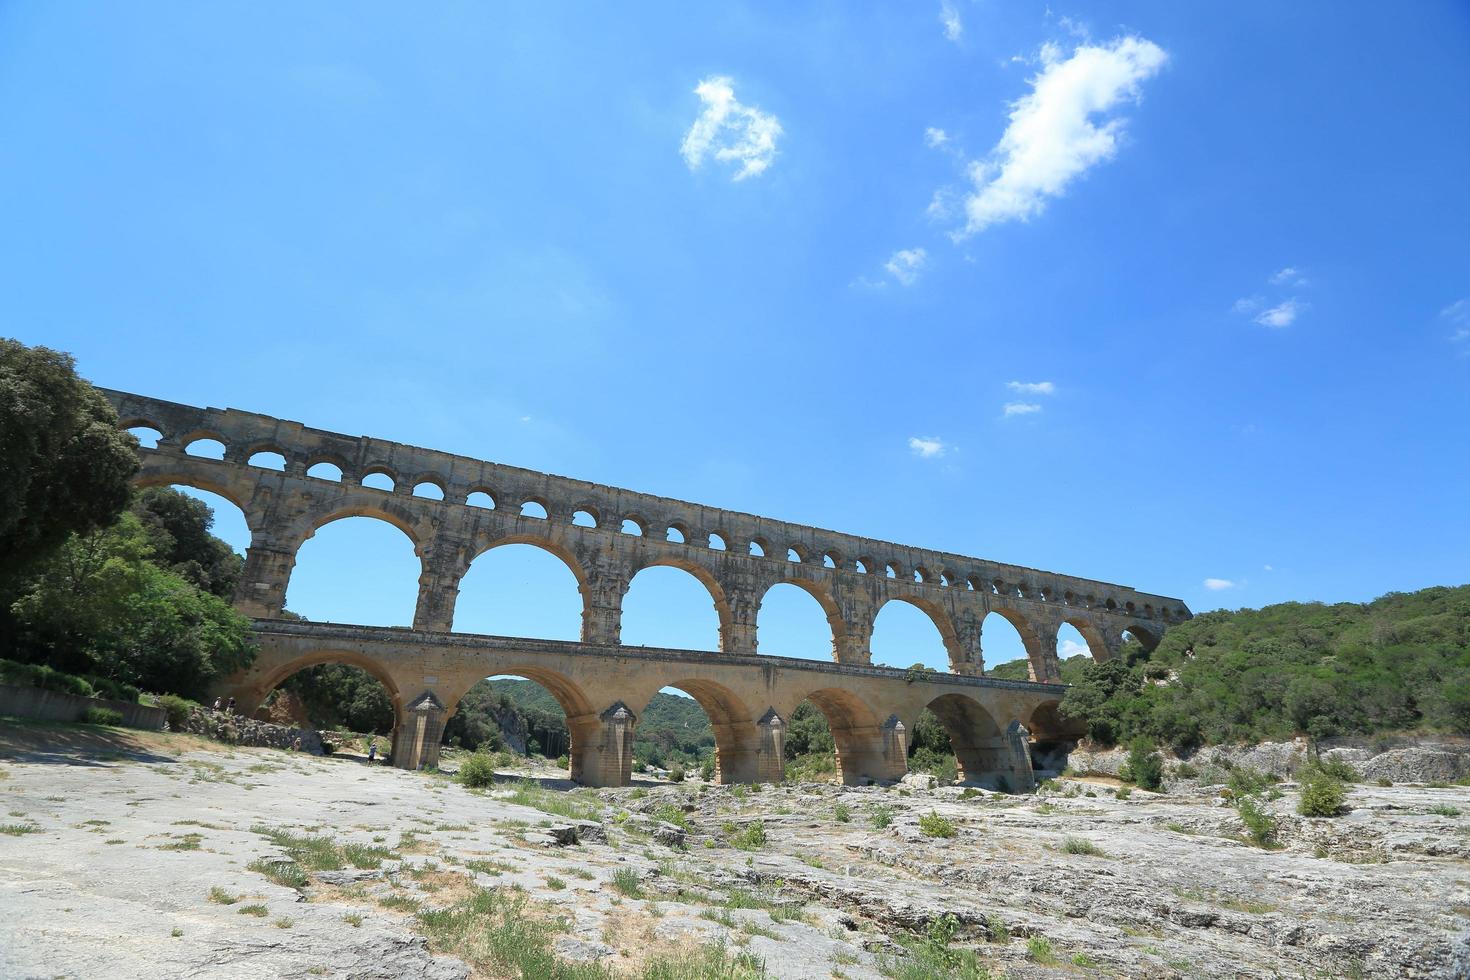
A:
(818, 591)
(378, 510)
(1093, 635)
(163, 478)
(583, 722)
(941, 619)
(706, 578)
(1052, 737)
(278, 674)
(857, 734)
(1147, 636)
(733, 723)
(1041, 660)
(974, 734)
(549, 546)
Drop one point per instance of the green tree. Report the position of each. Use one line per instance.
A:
(99, 605)
(64, 465)
(178, 528)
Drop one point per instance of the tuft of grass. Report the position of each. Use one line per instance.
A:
(399, 903)
(1038, 950)
(1076, 845)
(931, 824)
(841, 813)
(880, 815)
(744, 898)
(1083, 960)
(219, 896)
(555, 884)
(625, 882)
(286, 873)
(501, 933)
(285, 922)
(259, 911)
(1443, 810)
(17, 829)
(188, 842)
(353, 919)
(312, 853)
(176, 932)
(752, 838)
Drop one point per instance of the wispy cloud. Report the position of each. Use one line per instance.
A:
(1457, 314)
(1069, 648)
(906, 264)
(1218, 584)
(934, 137)
(1059, 130)
(730, 131)
(949, 16)
(1032, 387)
(1288, 277)
(1019, 408)
(1283, 314)
(927, 447)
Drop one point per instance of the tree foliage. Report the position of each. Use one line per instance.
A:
(99, 605)
(178, 529)
(341, 696)
(64, 466)
(1398, 663)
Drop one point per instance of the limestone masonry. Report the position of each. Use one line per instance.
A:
(1001, 730)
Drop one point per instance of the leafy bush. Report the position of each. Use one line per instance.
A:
(1076, 845)
(677, 774)
(176, 709)
(880, 815)
(752, 838)
(1244, 781)
(841, 813)
(37, 675)
(477, 771)
(707, 770)
(1123, 792)
(1323, 794)
(931, 824)
(1338, 768)
(1185, 771)
(102, 716)
(1147, 765)
(1260, 826)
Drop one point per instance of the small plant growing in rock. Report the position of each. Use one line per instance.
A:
(1038, 950)
(259, 911)
(625, 882)
(1323, 794)
(1185, 771)
(1260, 826)
(677, 774)
(996, 930)
(219, 896)
(707, 770)
(1443, 810)
(841, 813)
(752, 838)
(880, 816)
(1076, 845)
(1122, 793)
(478, 771)
(931, 824)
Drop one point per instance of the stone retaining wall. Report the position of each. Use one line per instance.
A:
(240, 730)
(36, 702)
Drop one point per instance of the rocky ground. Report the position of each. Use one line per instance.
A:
(126, 854)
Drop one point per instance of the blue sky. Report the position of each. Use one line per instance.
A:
(1160, 294)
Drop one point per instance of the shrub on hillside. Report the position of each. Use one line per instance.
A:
(477, 771)
(1147, 765)
(707, 770)
(677, 774)
(1260, 826)
(1323, 794)
(176, 709)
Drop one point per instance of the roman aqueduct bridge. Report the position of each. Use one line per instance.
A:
(455, 509)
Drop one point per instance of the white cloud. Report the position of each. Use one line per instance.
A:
(927, 447)
(1052, 137)
(1032, 387)
(906, 264)
(934, 137)
(1019, 408)
(1071, 648)
(1458, 314)
(1268, 568)
(949, 16)
(1282, 314)
(733, 132)
(1288, 277)
(1247, 305)
(1216, 584)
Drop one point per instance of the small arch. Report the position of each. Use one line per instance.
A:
(793, 555)
(325, 471)
(1129, 607)
(758, 547)
(828, 561)
(632, 526)
(947, 578)
(267, 459)
(890, 570)
(1146, 637)
(675, 533)
(379, 478)
(716, 541)
(862, 565)
(923, 575)
(584, 518)
(534, 509)
(148, 437)
(205, 448)
(429, 490)
(480, 498)
(1112, 605)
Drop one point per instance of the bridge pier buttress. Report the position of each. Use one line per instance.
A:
(768, 764)
(418, 733)
(602, 747)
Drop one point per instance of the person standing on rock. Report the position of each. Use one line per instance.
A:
(230, 708)
(372, 751)
(218, 703)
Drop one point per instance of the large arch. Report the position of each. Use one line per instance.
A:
(637, 632)
(786, 624)
(1053, 736)
(996, 622)
(733, 725)
(518, 586)
(181, 479)
(858, 735)
(974, 735)
(364, 554)
(908, 640)
(583, 723)
(1092, 637)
